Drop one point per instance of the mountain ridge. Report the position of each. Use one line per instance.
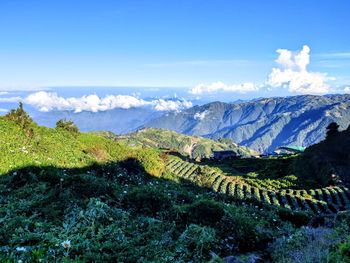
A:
(193, 147)
(262, 124)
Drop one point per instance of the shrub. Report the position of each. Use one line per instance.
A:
(86, 185)
(297, 218)
(341, 253)
(67, 125)
(204, 212)
(244, 230)
(22, 118)
(197, 242)
(146, 200)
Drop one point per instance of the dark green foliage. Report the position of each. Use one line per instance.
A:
(132, 166)
(341, 253)
(67, 125)
(87, 185)
(332, 129)
(297, 218)
(146, 200)
(245, 230)
(327, 161)
(203, 212)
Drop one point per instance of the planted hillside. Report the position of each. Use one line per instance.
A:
(68, 196)
(283, 192)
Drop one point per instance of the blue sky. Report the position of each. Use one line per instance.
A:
(171, 43)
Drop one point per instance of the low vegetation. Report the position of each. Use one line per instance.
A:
(81, 197)
(190, 146)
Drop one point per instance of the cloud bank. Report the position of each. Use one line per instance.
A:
(292, 74)
(48, 101)
(220, 86)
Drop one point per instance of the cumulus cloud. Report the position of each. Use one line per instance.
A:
(200, 115)
(293, 74)
(48, 101)
(10, 99)
(347, 89)
(220, 86)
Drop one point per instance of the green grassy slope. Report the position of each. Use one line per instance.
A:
(67, 197)
(58, 148)
(191, 146)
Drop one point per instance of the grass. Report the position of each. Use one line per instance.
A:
(82, 197)
(190, 146)
(60, 148)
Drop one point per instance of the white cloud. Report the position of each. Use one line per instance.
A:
(3, 110)
(220, 86)
(347, 89)
(10, 99)
(170, 105)
(3, 93)
(48, 101)
(293, 74)
(200, 115)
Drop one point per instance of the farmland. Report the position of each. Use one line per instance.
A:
(276, 192)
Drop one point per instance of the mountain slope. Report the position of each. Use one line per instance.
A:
(262, 124)
(194, 147)
(48, 147)
(327, 161)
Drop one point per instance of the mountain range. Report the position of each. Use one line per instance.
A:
(262, 124)
(191, 146)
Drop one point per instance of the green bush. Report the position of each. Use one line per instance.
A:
(87, 185)
(196, 242)
(245, 230)
(146, 200)
(341, 253)
(297, 218)
(67, 125)
(22, 118)
(203, 212)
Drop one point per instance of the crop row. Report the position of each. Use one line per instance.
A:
(325, 200)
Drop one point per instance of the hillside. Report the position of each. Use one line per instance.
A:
(191, 146)
(262, 124)
(67, 196)
(328, 160)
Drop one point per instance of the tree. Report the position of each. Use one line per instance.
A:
(332, 129)
(67, 125)
(22, 118)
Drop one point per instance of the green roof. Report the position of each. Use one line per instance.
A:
(295, 148)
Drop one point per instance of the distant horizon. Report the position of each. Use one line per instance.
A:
(209, 48)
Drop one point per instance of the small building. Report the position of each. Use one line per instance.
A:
(220, 155)
(289, 150)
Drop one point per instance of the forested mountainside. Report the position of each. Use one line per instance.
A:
(329, 159)
(68, 196)
(262, 124)
(192, 146)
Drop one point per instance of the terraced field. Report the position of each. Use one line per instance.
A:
(327, 200)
